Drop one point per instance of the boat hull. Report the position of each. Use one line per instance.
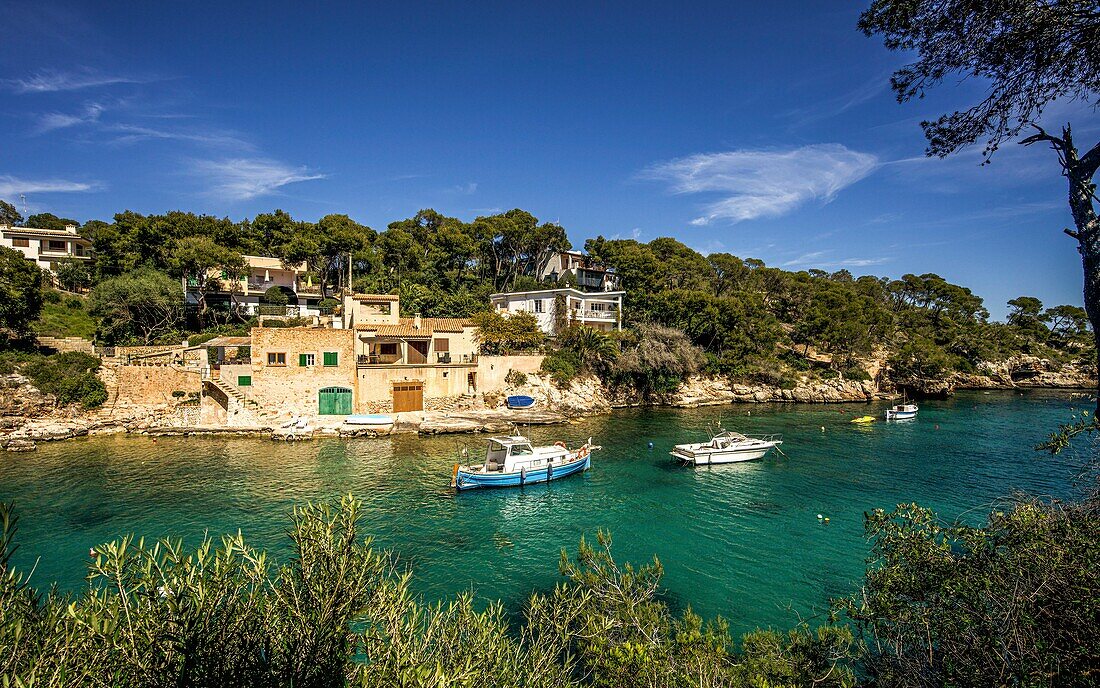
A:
(715, 458)
(900, 415)
(472, 481)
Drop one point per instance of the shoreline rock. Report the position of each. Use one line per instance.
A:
(26, 422)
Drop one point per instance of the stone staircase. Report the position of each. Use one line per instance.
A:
(233, 393)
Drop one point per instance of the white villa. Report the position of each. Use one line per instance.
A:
(588, 275)
(598, 310)
(46, 247)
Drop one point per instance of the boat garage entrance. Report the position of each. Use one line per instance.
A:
(334, 401)
(408, 396)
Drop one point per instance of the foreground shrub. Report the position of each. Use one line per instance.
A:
(1013, 603)
(562, 365)
(338, 613)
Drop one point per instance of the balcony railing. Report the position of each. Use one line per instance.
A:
(588, 314)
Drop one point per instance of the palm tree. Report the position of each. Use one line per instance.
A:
(594, 349)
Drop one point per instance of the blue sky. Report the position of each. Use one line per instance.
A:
(762, 129)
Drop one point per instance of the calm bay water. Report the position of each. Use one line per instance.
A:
(739, 540)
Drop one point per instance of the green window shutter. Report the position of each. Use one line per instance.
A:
(302, 360)
(331, 358)
(244, 380)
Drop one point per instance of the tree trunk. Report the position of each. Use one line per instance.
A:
(1082, 193)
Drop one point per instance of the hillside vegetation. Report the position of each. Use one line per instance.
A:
(743, 318)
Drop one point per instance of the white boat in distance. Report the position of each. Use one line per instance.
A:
(902, 411)
(726, 447)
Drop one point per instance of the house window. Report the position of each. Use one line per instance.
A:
(276, 358)
(597, 306)
(21, 243)
(57, 245)
(538, 305)
(307, 360)
(244, 380)
(443, 345)
(389, 349)
(331, 358)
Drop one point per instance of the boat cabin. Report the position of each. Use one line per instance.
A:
(509, 454)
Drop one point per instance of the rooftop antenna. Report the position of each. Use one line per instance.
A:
(23, 197)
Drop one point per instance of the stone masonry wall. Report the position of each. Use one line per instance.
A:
(491, 370)
(292, 389)
(153, 385)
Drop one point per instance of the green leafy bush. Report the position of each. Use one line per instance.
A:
(562, 365)
(515, 378)
(339, 613)
(70, 377)
(275, 296)
(855, 372)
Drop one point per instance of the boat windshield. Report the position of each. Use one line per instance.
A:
(521, 450)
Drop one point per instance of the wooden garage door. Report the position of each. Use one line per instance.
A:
(408, 396)
(334, 401)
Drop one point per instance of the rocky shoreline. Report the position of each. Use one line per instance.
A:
(28, 417)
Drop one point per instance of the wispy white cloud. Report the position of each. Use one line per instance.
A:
(831, 107)
(132, 133)
(54, 81)
(60, 120)
(467, 189)
(10, 186)
(818, 259)
(241, 179)
(763, 183)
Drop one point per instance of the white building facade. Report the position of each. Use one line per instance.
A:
(46, 247)
(264, 272)
(598, 310)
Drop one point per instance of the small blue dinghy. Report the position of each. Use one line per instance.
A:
(370, 419)
(512, 462)
(520, 401)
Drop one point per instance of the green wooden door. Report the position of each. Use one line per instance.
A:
(334, 401)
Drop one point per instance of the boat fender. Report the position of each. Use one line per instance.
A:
(549, 472)
(582, 452)
(522, 475)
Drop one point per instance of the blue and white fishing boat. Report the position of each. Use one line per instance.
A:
(520, 401)
(902, 412)
(512, 461)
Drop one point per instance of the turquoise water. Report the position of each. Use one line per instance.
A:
(741, 540)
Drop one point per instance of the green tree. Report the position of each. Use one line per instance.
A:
(595, 350)
(20, 292)
(50, 221)
(498, 334)
(206, 267)
(1067, 322)
(142, 306)
(1026, 314)
(1027, 54)
(73, 274)
(8, 214)
(1013, 603)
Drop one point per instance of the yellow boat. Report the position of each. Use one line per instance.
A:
(864, 419)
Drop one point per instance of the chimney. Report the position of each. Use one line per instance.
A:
(71, 229)
(416, 321)
(4, 226)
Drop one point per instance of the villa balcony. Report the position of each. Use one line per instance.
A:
(588, 314)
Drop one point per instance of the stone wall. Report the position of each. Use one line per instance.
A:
(63, 344)
(292, 389)
(491, 370)
(153, 385)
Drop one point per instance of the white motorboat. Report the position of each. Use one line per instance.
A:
(902, 411)
(726, 447)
